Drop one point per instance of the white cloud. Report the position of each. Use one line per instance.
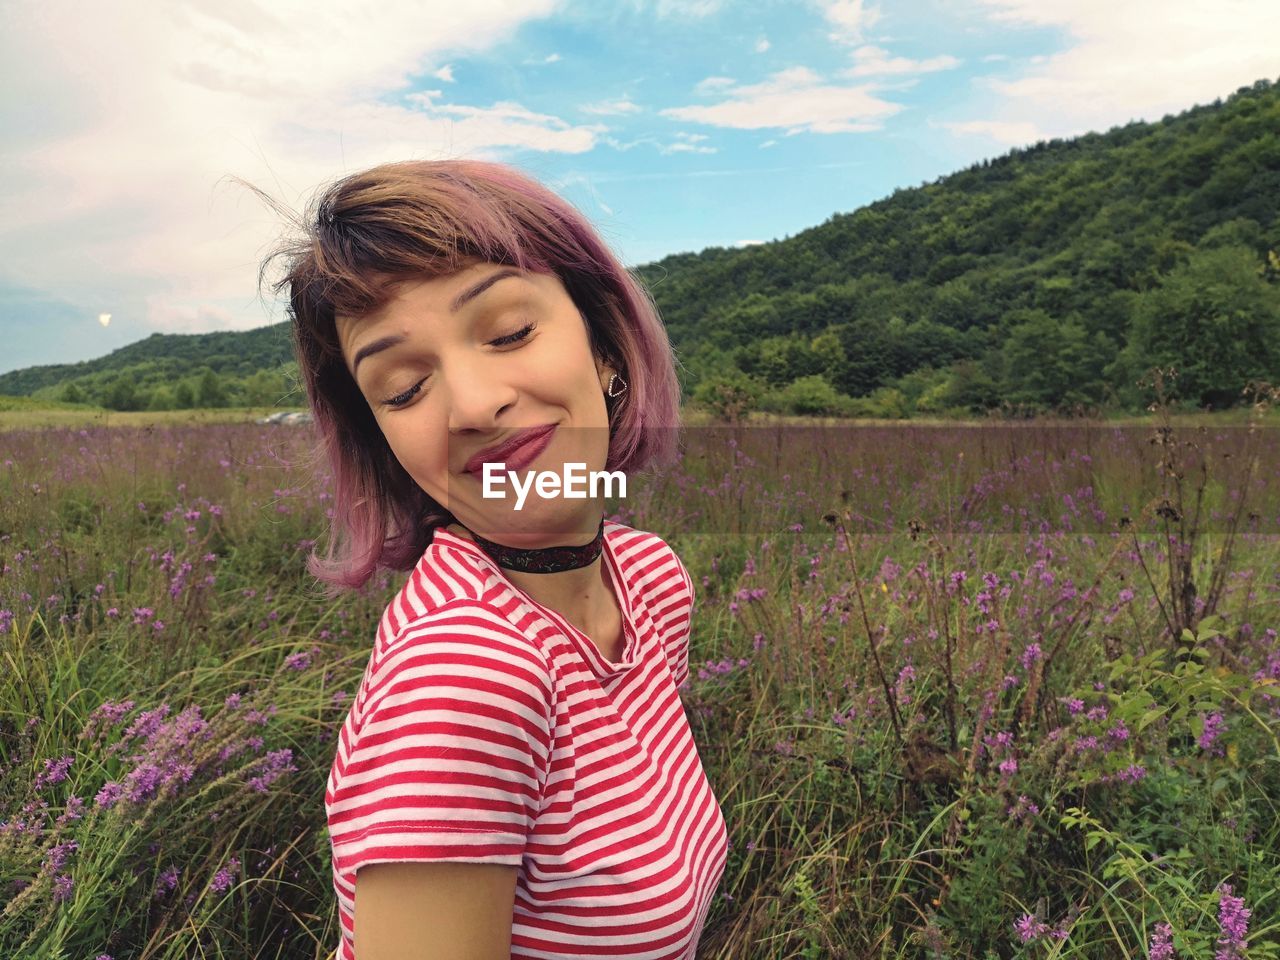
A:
(608, 108)
(712, 85)
(445, 73)
(1015, 133)
(794, 100)
(552, 58)
(762, 45)
(115, 187)
(870, 61)
(1139, 59)
(769, 143)
(849, 19)
(748, 243)
(687, 143)
(509, 125)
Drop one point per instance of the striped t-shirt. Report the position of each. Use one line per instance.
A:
(488, 729)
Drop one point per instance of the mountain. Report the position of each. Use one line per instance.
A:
(230, 353)
(1048, 278)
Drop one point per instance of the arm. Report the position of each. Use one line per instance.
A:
(434, 911)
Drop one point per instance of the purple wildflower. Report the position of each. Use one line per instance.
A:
(55, 771)
(58, 855)
(166, 882)
(1161, 946)
(1030, 655)
(1213, 726)
(1030, 928)
(109, 795)
(1074, 706)
(297, 661)
(63, 887)
(271, 767)
(1233, 921)
(225, 877)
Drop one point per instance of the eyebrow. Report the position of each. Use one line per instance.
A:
(460, 301)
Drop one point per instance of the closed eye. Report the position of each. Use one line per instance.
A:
(522, 334)
(511, 338)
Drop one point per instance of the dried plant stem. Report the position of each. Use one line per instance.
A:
(871, 637)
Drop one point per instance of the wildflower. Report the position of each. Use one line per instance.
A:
(1132, 773)
(1233, 921)
(74, 811)
(63, 887)
(1030, 655)
(1030, 928)
(6, 619)
(58, 855)
(1161, 946)
(1119, 732)
(166, 882)
(271, 768)
(1125, 596)
(109, 795)
(1213, 725)
(226, 876)
(55, 771)
(297, 661)
(1009, 766)
(1074, 706)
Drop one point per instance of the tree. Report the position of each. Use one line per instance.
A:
(1216, 320)
(1051, 363)
(210, 390)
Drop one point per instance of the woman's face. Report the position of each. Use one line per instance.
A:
(453, 366)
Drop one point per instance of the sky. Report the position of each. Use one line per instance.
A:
(674, 125)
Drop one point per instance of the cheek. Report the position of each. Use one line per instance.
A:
(422, 450)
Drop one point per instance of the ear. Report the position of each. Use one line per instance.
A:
(604, 371)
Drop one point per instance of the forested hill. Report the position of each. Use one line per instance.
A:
(231, 356)
(1049, 278)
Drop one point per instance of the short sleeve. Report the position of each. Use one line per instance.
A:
(448, 757)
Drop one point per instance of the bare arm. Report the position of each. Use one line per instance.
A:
(434, 911)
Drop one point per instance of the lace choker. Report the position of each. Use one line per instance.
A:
(544, 559)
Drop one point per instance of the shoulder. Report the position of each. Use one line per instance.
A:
(465, 651)
(647, 561)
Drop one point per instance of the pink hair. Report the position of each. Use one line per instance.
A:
(427, 219)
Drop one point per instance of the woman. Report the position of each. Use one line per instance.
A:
(516, 777)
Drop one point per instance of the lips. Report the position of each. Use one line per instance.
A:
(518, 449)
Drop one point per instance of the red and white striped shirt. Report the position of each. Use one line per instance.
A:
(488, 729)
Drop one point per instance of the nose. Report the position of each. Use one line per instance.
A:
(477, 395)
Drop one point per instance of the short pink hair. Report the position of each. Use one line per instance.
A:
(425, 219)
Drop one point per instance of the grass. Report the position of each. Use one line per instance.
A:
(946, 712)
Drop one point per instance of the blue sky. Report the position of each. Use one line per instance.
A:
(674, 124)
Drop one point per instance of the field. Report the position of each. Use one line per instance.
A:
(962, 690)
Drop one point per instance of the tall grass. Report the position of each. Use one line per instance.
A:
(937, 682)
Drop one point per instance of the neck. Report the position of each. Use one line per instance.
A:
(580, 594)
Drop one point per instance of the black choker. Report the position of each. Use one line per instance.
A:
(544, 559)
